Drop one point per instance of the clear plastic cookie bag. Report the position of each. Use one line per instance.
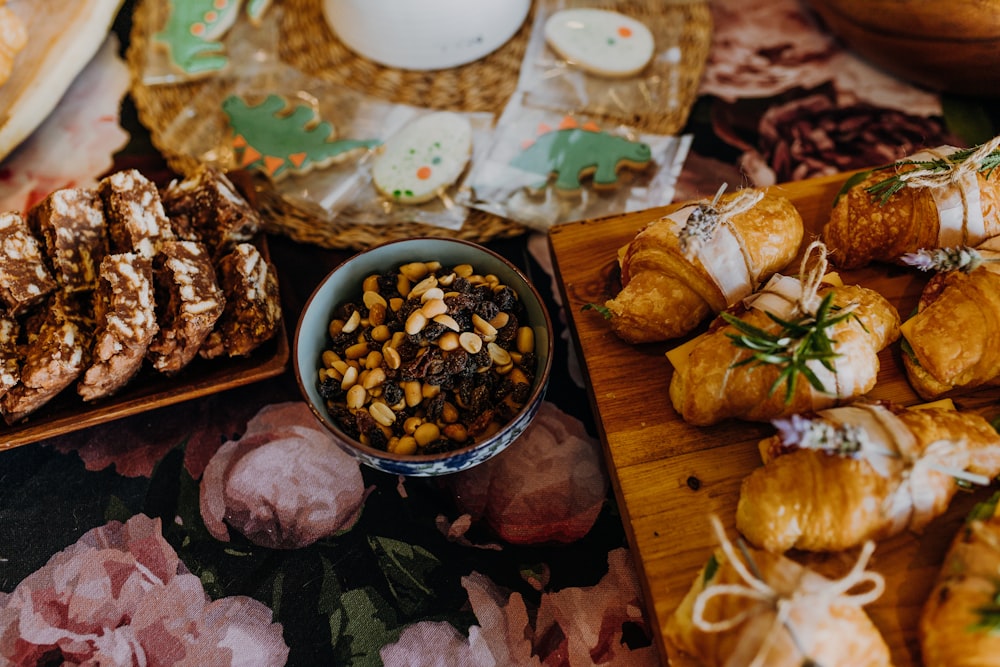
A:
(194, 40)
(546, 167)
(618, 60)
(303, 139)
(418, 172)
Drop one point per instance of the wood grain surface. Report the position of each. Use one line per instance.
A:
(669, 476)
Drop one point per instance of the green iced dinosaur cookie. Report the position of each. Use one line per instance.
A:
(272, 139)
(194, 28)
(571, 153)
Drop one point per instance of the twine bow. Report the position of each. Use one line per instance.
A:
(756, 589)
(935, 178)
(709, 215)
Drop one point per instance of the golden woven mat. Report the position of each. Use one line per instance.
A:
(484, 85)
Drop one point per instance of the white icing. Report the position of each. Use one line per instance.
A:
(600, 41)
(423, 158)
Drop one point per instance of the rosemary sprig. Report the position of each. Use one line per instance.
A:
(603, 310)
(887, 187)
(989, 616)
(793, 346)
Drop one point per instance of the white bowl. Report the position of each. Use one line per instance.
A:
(344, 284)
(424, 34)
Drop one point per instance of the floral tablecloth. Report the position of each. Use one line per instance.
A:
(231, 530)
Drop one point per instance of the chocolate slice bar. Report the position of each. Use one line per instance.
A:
(24, 278)
(70, 222)
(253, 304)
(125, 321)
(188, 303)
(134, 213)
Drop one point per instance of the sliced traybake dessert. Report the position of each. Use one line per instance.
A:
(188, 304)
(24, 277)
(55, 352)
(253, 305)
(70, 224)
(125, 321)
(207, 207)
(134, 213)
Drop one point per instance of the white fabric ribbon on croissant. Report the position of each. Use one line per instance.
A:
(722, 252)
(814, 596)
(890, 448)
(955, 192)
(789, 297)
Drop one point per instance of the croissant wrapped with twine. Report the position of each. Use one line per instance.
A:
(756, 609)
(873, 471)
(799, 345)
(952, 343)
(960, 620)
(934, 199)
(699, 260)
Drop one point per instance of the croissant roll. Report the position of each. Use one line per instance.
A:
(701, 259)
(959, 621)
(861, 472)
(717, 379)
(953, 341)
(956, 202)
(754, 608)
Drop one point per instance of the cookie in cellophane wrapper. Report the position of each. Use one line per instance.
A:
(333, 152)
(545, 167)
(199, 39)
(619, 60)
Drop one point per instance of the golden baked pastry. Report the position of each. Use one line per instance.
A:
(945, 197)
(953, 341)
(13, 39)
(700, 260)
(961, 617)
(833, 480)
(749, 366)
(755, 608)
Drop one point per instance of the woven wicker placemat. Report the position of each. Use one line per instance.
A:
(484, 85)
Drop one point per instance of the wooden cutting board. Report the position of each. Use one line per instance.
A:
(669, 476)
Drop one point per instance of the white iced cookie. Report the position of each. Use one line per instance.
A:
(600, 41)
(423, 158)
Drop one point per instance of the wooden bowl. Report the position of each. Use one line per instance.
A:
(951, 46)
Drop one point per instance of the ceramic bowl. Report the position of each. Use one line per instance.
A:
(949, 46)
(344, 284)
(425, 34)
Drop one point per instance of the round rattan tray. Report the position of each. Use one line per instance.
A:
(485, 85)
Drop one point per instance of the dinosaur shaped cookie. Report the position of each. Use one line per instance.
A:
(194, 29)
(572, 152)
(280, 139)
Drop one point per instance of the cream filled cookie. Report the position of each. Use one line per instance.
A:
(424, 158)
(599, 41)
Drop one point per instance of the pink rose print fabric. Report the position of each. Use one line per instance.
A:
(121, 596)
(549, 485)
(574, 626)
(284, 484)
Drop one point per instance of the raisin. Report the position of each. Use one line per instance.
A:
(487, 310)
(330, 389)
(392, 393)
(505, 298)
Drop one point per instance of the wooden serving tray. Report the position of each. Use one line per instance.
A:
(149, 389)
(669, 476)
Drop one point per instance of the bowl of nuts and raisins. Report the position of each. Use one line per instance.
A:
(424, 356)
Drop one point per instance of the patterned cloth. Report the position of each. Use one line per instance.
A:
(231, 529)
